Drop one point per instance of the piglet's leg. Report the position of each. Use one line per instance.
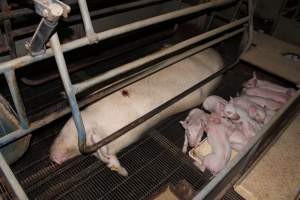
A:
(185, 144)
(197, 164)
(238, 141)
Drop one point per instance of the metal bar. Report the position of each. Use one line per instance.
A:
(161, 18)
(75, 18)
(16, 96)
(11, 179)
(61, 64)
(36, 46)
(137, 122)
(243, 153)
(250, 25)
(24, 30)
(87, 22)
(121, 49)
(139, 62)
(26, 11)
(237, 10)
(8, 30)
(159, 66)
(7, 139)
(117, 8)
(26, 60)
(16, 13)
(3, 48)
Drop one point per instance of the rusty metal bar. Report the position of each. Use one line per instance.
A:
(16, 13)
(8, 30)
(7, 139)
(26, 60)
(16, 96)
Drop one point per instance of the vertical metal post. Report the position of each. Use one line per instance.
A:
(8, 31)
(250, 24)
(11, 179)
(237, 10)
(87, 22)
(16, 96)
(61, 64)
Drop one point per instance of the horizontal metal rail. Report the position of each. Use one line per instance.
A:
(26, 60)
(117, 8)
(16, 13)
(139, 62)
(13, 14)
(295, 100)
(77, 17)
(7, 139)
(120, 83)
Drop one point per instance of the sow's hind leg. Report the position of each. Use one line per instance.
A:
(111, 160)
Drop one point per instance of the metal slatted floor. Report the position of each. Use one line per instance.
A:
(151, 163)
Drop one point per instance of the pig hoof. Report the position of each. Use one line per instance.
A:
(122, 171)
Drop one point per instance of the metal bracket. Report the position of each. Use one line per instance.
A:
(51, 11)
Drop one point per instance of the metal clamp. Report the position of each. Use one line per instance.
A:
(51, 11)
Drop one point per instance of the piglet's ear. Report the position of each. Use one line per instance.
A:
(183, 124)
(231, 100)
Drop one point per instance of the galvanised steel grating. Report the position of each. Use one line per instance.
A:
(152, 163)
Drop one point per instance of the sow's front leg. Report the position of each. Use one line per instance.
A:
(104, 154)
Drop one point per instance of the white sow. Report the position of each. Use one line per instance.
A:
(113, 112)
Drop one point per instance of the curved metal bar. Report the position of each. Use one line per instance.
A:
(61, 64)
